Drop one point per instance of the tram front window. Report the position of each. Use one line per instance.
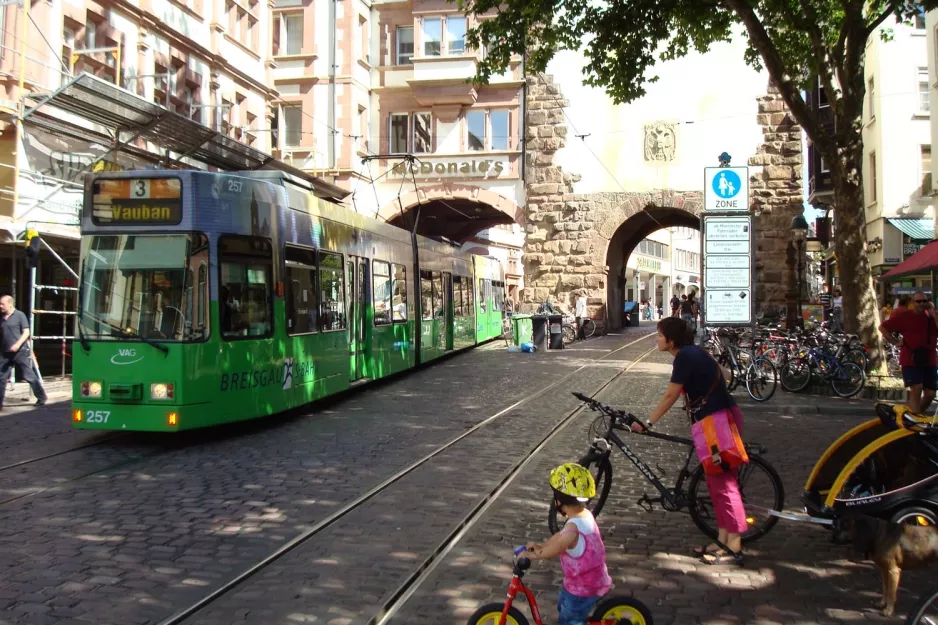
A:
(149, 286)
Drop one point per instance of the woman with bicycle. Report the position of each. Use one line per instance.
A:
(697, 375)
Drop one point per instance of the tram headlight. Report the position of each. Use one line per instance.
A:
(91, 389)
(161, 391)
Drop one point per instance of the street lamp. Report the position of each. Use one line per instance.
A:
(799, 233)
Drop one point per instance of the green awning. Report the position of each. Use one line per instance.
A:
(919, 229)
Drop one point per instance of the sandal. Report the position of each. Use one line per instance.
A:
(705, 549)
(723, 557)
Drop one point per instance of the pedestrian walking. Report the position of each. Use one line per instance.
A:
(837, 316)
(675, 305)
(919, 331)
(827, 302)
(580, 314)
(689, 312)
(14, 330)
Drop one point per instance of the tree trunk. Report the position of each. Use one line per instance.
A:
(861, 311)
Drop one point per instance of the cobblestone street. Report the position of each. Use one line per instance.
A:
(134, 528)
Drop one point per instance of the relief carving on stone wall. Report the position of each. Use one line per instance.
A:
(661, 142)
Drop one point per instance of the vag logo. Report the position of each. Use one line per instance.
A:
(125, 356)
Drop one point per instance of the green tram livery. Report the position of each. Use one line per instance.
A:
(207, 298)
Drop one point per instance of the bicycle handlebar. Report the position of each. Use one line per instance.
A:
(594, 404)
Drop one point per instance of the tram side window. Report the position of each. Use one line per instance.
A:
(332, 286)
(437, 294)
(399, 303)
(382, 292)
(426, 296)
(470, 299)
(245, 264)
(482, 300)
(302, 301)
(457, 297)
(200, 324)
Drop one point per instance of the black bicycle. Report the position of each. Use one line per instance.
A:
(925, 611)
(758, 499)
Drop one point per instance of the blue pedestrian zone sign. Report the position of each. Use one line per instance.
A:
(726, 189)
(726, 184)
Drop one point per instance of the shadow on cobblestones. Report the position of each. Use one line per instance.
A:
(793, 576)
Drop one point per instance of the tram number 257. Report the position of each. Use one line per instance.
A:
(97, 416)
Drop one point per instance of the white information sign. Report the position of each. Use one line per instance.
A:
(728, 306)
(727, 247)
(728, 262)
(726, 189)
(727, 269)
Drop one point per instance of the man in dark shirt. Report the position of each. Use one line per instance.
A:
(919, 330)
(827, 302)
(14, 333)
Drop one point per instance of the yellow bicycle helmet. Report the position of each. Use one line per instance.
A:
(574, 481)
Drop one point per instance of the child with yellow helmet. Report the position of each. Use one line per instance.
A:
(579, 546)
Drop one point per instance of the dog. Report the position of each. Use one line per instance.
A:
(891, 546)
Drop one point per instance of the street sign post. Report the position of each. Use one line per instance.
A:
(728, 248)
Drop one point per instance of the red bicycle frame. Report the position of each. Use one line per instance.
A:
(513, 588)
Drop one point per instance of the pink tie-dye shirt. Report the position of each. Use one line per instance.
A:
(584, 565)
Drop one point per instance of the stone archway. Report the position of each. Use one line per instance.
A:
(455, 211)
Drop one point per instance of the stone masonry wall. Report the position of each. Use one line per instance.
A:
(776, 196)
(568, 234)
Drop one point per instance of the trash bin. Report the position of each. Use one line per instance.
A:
(539, 331)
(632, 312)
(521, 329)
(556, 331)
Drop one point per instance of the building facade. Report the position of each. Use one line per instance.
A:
(118, 85)
(897, 148)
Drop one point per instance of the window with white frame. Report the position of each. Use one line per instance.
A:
(499, 120)
(923, 90)
(475, 131)
(292, 33)
(423, 133)
(455, 35)
(398, 126)
(432, 36)
(405, 45)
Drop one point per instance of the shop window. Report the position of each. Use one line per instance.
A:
(302, 301)
(245, 300)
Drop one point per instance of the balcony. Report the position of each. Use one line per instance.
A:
(444, 80)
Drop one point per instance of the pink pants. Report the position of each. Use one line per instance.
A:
(724, 493)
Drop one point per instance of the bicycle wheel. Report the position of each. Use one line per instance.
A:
(588, 328)
(622, 610)
(491, 614)
(847, 380)
(857, 357)
(569, 334)
(925, 612)
(761, 379)
(601, 468)
(761, 489)
(796, 375)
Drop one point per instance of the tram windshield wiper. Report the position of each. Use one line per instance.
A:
(124, 333)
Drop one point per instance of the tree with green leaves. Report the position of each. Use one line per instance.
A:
(800, 43)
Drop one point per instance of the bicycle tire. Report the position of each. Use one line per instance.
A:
(603, 478)
(707, 522)
(589, 328)
(928, 601)
(626, 611)
(792, 383)
(848, 391)
(491, 614)
(569, 334)
(857, 357)
(766, 377)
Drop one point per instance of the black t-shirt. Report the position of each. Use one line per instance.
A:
(675, 302)
(12, 329)
(695, 369)
(687, 307)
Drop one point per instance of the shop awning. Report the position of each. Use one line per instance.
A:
(918, 229)
(922, 262)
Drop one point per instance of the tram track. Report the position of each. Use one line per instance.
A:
(400, 595)
(22, 463)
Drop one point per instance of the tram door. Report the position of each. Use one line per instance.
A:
(357, 283)
(448, 310)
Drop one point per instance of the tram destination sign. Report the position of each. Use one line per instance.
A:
(727, 269)
(137, 202)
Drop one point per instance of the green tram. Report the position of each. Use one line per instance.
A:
(207, 298)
